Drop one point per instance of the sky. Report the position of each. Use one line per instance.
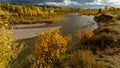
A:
(68, 3)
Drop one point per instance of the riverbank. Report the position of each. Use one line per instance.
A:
(110, 23)
(109, 20)
(30, 19)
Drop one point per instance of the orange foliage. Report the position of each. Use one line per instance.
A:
(79, 35)
(89, 33)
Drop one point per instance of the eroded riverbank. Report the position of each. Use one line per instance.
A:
(110, 24)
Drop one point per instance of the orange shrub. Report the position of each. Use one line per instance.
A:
(89, 34)
(50, 46)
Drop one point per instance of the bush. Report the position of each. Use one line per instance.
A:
(49, 47)
(9, 49)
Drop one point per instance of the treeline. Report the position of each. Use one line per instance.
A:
(107, 9)
(24, 10)
(31, 10)
(88, 11)
(42, 14)
(98, 11)
(33, 14)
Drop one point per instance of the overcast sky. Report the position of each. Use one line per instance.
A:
(69, 3)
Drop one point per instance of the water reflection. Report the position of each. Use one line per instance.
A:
(74, 23)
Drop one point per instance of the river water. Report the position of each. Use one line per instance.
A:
(74, 23)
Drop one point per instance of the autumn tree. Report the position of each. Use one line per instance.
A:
(39, 11)
(100, 10)
(21, 12)
(25, 10)
(51, 11)
(113, 9)
(45, 9)
(106, 9)
(29, 11)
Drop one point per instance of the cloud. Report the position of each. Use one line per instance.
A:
(102, 3)
(68, 3)
(63, 3)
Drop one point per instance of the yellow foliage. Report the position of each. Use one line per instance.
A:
(79, 35)
(68, 38)
(50, 46)
(9, 49)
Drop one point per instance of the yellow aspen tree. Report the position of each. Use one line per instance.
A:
(25, 11)
(21, 12)
(29, 11)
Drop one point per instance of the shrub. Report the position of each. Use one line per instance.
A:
(89, 33)
(82, 59)
(49, 47)
(9, 49)
(100, 39)
(105, 38)
(79, 35)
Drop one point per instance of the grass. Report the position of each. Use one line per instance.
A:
(81, 59)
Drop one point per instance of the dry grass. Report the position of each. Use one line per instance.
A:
(82, 59)
(100, 39)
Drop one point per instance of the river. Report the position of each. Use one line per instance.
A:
(69, 25)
